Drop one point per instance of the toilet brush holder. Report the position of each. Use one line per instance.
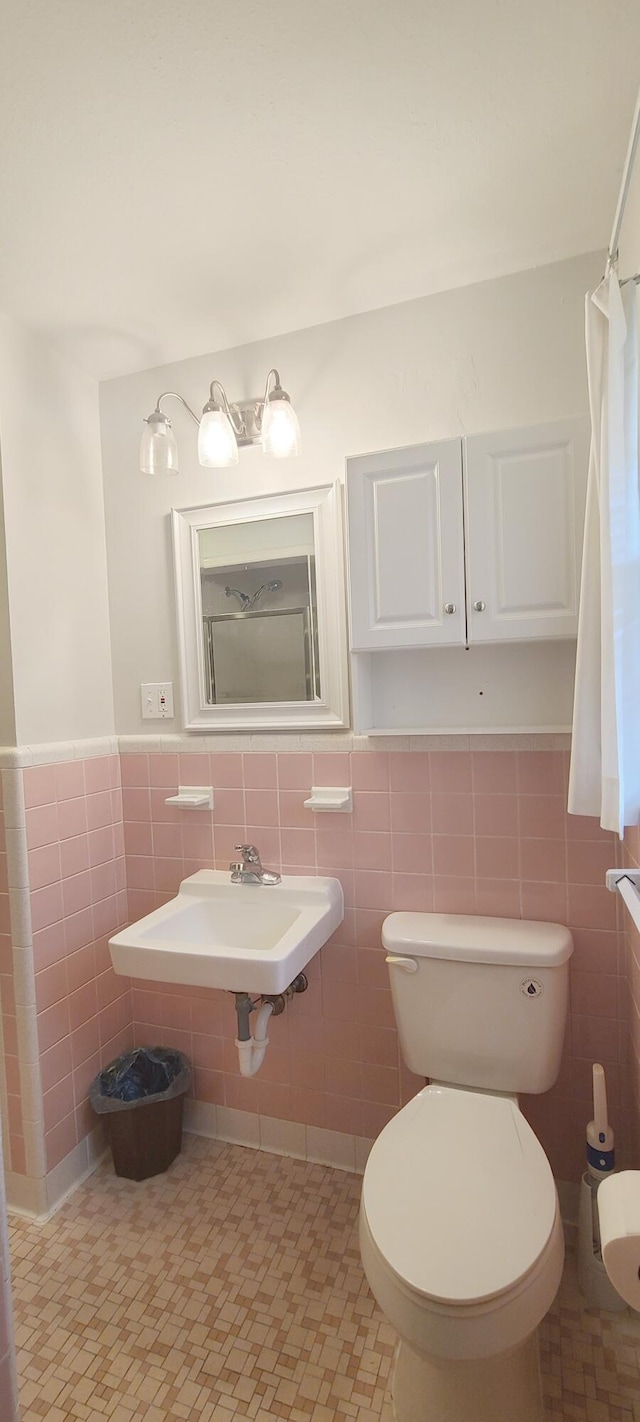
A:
(593, 1279)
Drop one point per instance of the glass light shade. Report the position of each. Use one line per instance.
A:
(217, 444)
(280, 429)
(158, 448)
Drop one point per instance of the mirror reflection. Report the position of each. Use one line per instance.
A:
(259, 610)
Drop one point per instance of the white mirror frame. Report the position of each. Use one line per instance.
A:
(332, 711)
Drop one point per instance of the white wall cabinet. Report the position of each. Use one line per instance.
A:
(524, 515)
(500, 513)
(406, 550)
(489, 527)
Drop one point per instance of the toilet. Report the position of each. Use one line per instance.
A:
(460, 1230)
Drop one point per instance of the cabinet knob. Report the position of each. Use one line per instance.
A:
(479, 606)
(449, 607)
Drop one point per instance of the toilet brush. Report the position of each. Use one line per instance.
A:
(592, 1275)
(600, 1144)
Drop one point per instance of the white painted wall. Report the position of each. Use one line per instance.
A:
(56, 552)
(497, 355)
(630, 234)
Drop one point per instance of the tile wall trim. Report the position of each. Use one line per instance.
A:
(339, 741)
(54, 752)
(312, 1143)
(40, 1198)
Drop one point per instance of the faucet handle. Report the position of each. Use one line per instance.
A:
(250, 855)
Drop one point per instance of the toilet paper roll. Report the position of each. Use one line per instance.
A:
(619, 1210)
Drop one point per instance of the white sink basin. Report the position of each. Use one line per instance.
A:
(242, 937)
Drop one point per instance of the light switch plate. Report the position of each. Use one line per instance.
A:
(157, 700)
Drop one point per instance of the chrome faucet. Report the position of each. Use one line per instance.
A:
(249, 869)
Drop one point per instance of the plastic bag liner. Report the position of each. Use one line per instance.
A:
(138, 1079)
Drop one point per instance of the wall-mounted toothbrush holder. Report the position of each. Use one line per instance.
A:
(192, 797)
(330, 797)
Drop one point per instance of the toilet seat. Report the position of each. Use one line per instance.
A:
(459, 1196)
(460, 1231)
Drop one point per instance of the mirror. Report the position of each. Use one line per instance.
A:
(259, 611)
(261, 615)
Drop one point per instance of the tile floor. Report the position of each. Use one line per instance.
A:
(231, 1289)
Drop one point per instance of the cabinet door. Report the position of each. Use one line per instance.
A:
(524, 506)
(406, 547)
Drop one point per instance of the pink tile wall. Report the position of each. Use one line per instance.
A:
(77, 883)
(471, 832)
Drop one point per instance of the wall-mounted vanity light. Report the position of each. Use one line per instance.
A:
(223, 429)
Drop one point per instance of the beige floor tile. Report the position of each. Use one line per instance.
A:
(230, 1290)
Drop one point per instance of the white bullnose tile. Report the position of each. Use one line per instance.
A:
(200, 1118)
(26, 1195)
(331, 1148)
(31, 1093)
(363, 1148)
(13, 799)
(238, 1127)
(52, 753)
(17, 858)
(40, 1195)
(34, 1149)
(24, 981)
(73, 1170)
(20, 912)
(283, 1137)
(276, 1137)
(97, 1144)
(27, 1029)
(273, 742)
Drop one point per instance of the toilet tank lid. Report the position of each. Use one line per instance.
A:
(472, 939)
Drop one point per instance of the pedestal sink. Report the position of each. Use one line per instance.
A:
(251, 938)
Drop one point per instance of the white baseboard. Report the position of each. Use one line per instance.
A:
(39, 1198)
(312, 1143)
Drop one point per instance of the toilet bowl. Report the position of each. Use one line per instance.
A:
(462, 1244)
(460, 1231)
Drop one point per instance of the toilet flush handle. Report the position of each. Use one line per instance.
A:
(408, 965)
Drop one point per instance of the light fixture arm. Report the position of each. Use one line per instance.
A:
(262, 404)
(173, 394)
(231, 411)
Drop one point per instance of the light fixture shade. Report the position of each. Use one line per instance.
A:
(217, 444)
(280, 428)
(158, 448)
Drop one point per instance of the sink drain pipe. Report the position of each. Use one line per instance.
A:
(251, 1048)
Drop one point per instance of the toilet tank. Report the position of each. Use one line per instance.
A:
(479, 1002)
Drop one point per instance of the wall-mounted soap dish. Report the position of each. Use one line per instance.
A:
(330, 797)
(192, 797)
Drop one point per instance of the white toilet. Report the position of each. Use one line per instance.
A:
(460, 1230)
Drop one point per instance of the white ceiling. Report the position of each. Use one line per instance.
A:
(182, 177)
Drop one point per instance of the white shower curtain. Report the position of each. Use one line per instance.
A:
(605, 756)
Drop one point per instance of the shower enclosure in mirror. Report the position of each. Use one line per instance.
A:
(261, 616)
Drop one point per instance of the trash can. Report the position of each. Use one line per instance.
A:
(141, 1095)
